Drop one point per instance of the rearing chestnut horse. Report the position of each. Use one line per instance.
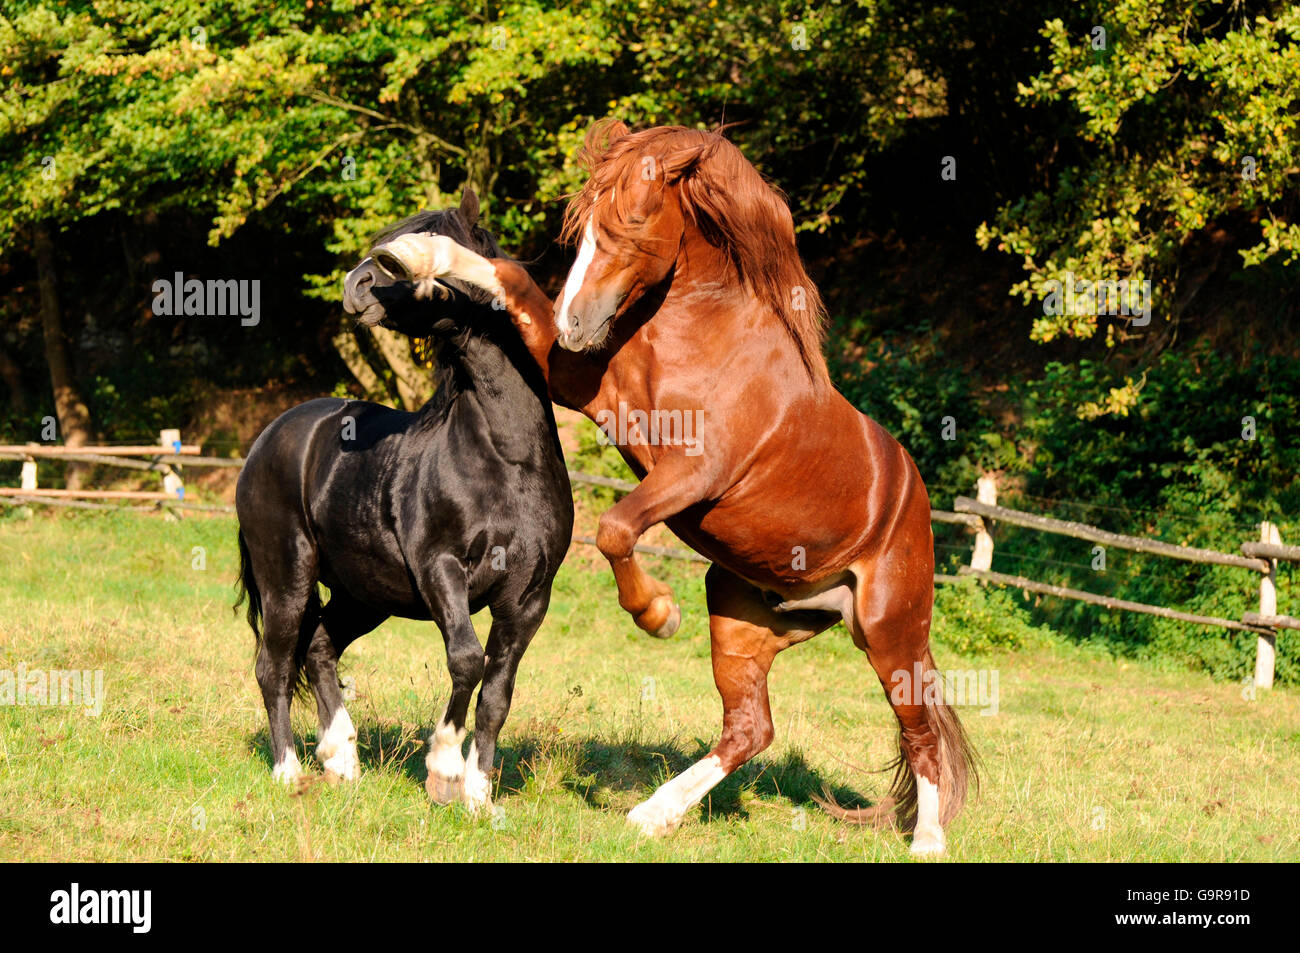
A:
(688, 296)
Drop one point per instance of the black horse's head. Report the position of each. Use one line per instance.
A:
(378, 298)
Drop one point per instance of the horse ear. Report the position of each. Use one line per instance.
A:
(469, 207)
(599, 140)
(615, 130)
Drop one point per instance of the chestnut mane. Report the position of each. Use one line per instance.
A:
(725, 197)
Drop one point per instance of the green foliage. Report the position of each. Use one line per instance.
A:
(364, 111)
(1188, 115)
(911, 389)
(971, 618)
(595, 455)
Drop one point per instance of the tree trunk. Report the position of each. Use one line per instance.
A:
(414, 384)
(345, 343)
(13, 379)
(73, 416)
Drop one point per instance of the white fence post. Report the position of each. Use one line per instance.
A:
(1266, 645)
(29, 472)
(986, 492)
(171, 439)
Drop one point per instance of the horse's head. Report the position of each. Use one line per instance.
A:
(628, 222)
(421, 308)
(649, 196)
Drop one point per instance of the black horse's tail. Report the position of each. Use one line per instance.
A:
(247, 586)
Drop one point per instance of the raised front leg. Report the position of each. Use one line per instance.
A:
(675, 483)
(425, 259)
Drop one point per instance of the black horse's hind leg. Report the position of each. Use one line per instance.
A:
(342, 621)
(289, 617)
(511, 633)
(448, 599)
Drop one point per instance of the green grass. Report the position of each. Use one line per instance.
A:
(1088, 758)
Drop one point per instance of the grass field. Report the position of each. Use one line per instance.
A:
(1087, 758)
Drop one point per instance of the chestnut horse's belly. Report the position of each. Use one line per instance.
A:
(806, 511)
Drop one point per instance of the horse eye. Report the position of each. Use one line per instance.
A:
(636, 219)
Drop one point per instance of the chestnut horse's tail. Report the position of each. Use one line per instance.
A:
(958, 774)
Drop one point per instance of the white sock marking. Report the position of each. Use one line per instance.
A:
(927, 839)
(287, 769)
(664, 811)
(478, 787)
(337, 747)
(444, 758)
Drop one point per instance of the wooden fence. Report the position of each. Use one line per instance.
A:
(1257, 557)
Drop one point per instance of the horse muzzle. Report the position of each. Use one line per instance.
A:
(587, 323)
(358, 293)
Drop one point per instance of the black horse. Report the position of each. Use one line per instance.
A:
(427, 515)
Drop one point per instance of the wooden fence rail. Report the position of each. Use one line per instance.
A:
(1137, 544)
(1260, 557)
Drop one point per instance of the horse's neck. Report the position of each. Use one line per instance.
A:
(706, 317)
(505, 386)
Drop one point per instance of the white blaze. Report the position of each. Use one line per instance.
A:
(577, 275)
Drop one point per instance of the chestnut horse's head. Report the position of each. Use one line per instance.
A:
(648, 195)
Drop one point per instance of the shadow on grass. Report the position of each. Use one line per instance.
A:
(598, 769)
(607, 774)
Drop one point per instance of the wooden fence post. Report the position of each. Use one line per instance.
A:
(986, 492)
(29, 473)
(1266, 645)
(171, 439)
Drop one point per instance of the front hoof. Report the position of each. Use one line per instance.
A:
(661, 619)
(444, 790)
(653, 820)
(928, 842)
(476, 794)
(287, 770)
(343, 765)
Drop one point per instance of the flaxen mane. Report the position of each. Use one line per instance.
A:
(725, 197)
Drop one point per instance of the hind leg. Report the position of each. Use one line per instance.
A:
(343, 620)
(746, 635)
(284, 565)
(284, 620)
(892, 624)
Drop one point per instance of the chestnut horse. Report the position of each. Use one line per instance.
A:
(688, 297)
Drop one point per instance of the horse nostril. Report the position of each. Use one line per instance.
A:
(392, 266)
